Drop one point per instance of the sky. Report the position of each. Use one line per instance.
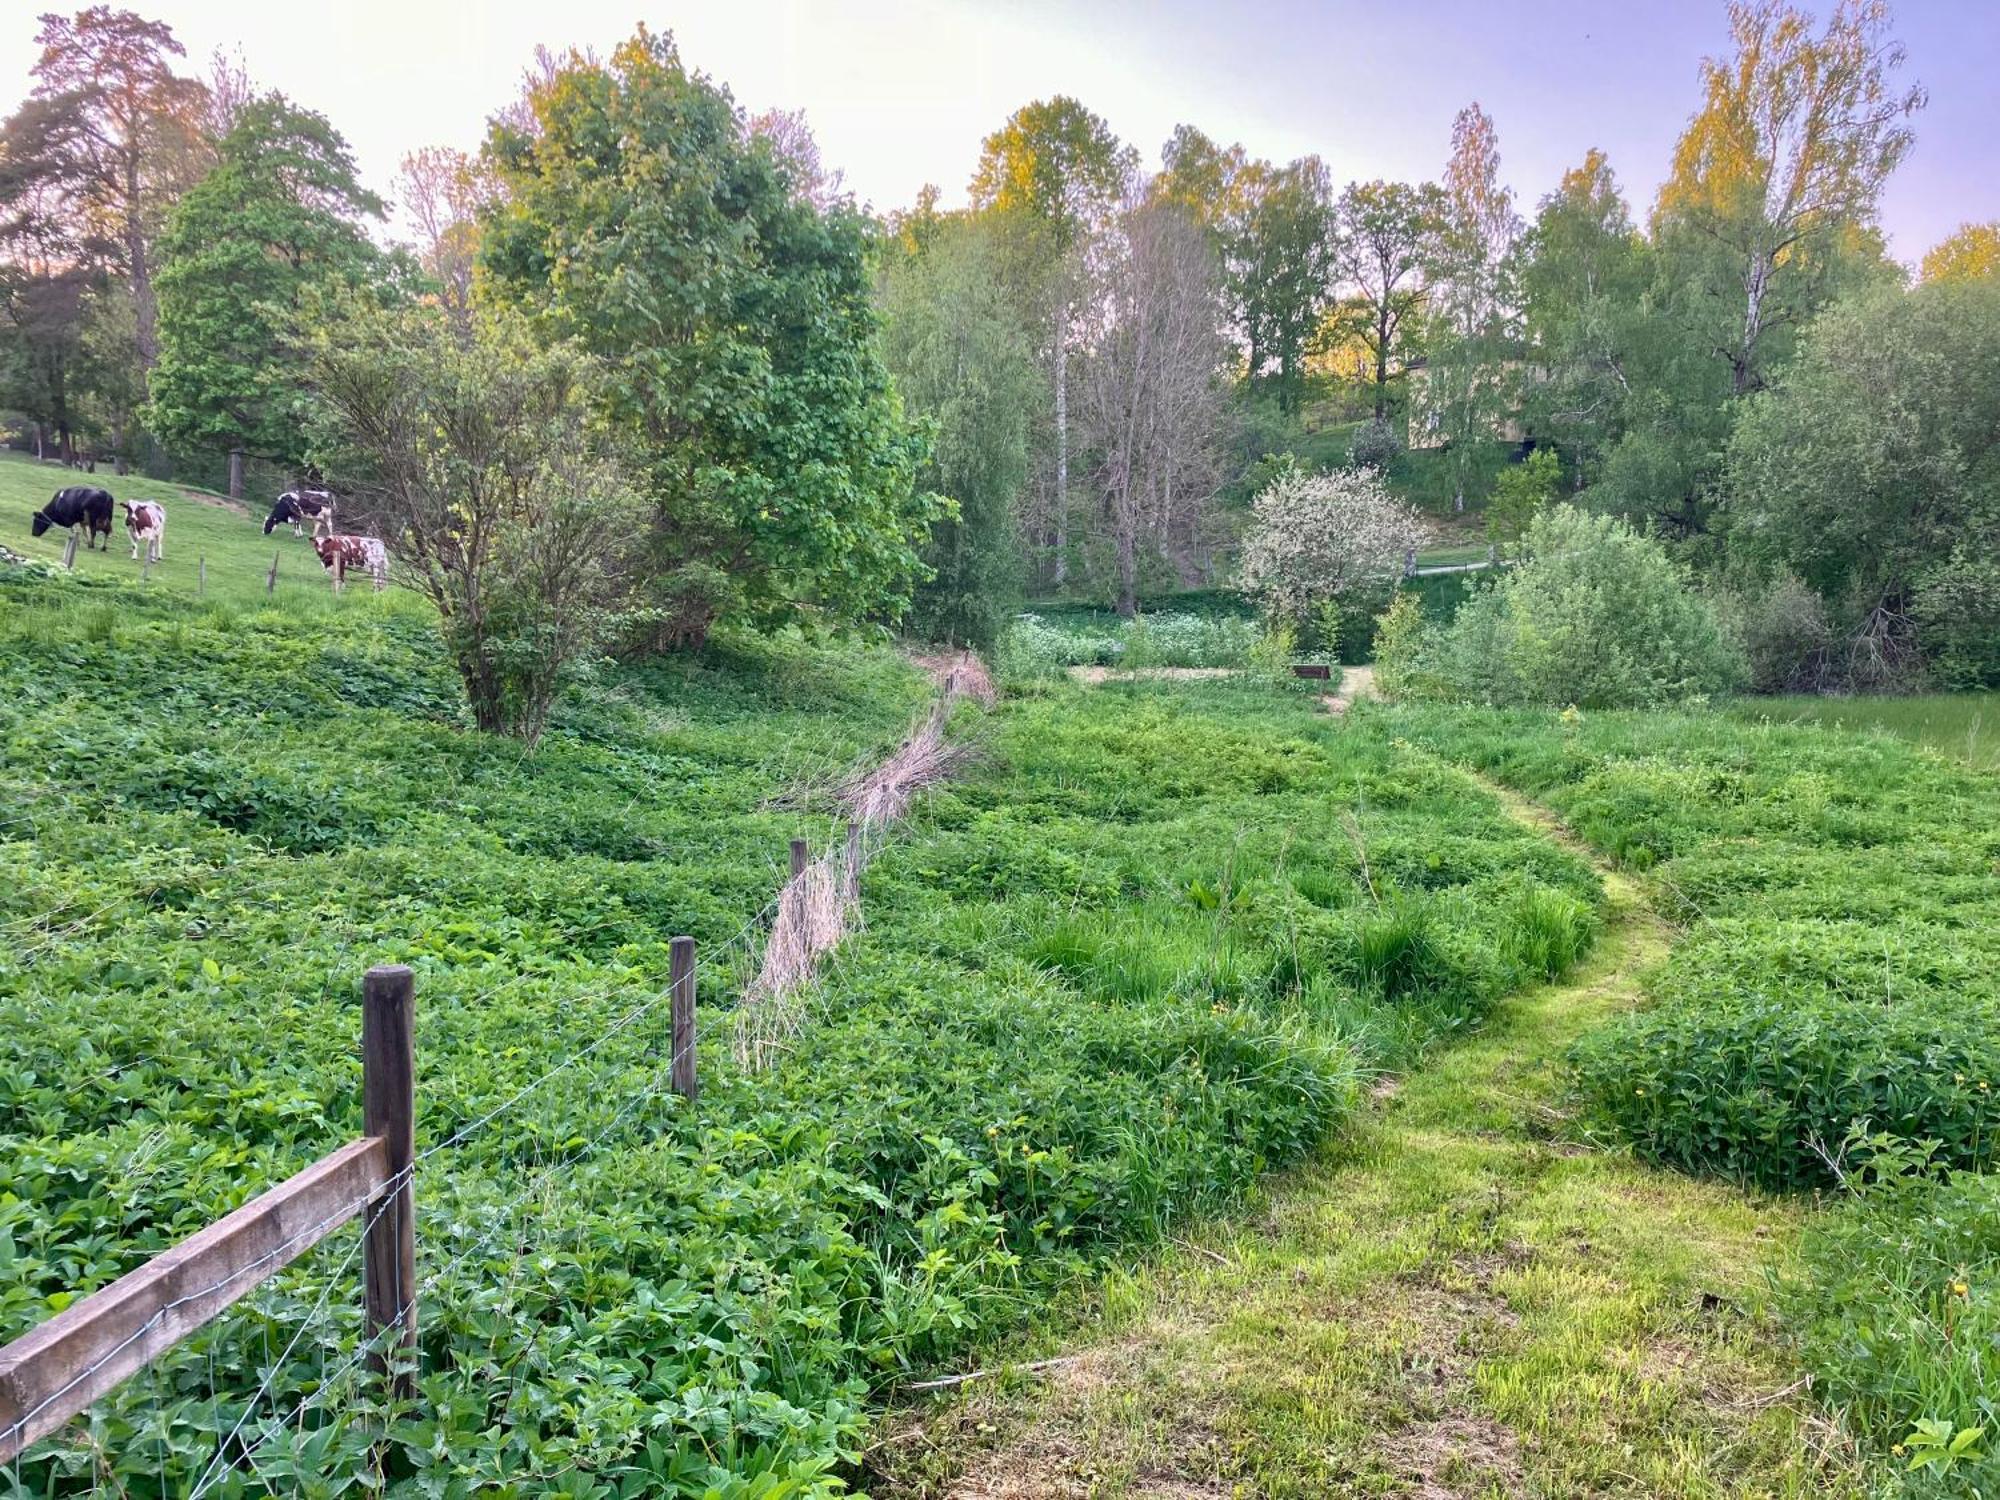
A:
(900, 94)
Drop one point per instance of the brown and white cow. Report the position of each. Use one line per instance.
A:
(339, 553)
(147, 521)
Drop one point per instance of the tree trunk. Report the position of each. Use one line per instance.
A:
(1381, 371)
(145, 310)
(236, 473)
(1062, 445)
(1753, 324)
(1128, 563)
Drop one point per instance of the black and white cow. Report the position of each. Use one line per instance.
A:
(339, 553)
(147, 521)
(301, 508)
(79, 505)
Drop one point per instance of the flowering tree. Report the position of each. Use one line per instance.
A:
(1319, 539)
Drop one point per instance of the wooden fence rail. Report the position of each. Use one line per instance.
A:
(61, 1366)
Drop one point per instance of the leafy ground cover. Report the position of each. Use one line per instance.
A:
(1452, 1300)
(1147, 952)
(1830, 1018)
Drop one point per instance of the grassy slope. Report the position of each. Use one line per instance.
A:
(1456, 1301)
(200, 525)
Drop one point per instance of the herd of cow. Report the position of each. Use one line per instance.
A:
(89, 509)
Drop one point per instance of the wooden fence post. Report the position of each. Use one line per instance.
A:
(1409, 562)
(69, 552)
(680, 972)
(271, 583)
(798, 858)
(389, 1110)
(201, 575)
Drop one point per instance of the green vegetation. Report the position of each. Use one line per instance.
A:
(1037, 646)
(1965, 726)
(1141, 958)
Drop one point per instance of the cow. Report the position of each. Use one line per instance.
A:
(79, 505)
(339, 553)
(147, 521)
(300, 507)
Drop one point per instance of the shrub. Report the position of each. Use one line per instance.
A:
(1597, 617)
(1377, 445)
(1788, 643)
(1317, 538)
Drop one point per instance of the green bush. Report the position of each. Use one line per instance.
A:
(1598, 617)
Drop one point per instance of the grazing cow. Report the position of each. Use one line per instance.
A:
(147, 521)
(302, 507)
(339, 553)
(79, 505)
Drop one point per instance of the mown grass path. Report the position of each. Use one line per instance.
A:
(1457, 1300)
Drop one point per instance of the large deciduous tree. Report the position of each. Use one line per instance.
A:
(1285, 250)
(1059, 167)
(1796, 134)
(962, 360)
(639, 217)
(278, 217)
(1326, 539)
(442, 190)
(1152, 393)
(1385, 233)
(138, 141)
(1971, 253)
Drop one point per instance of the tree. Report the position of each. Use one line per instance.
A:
(1467, 387)
(478, 461)
(1059, 167)
(1794, 139)
(636, 216)
(1971, 254)
(1385, 234)
(278, 216)
(441, 190)
(1581, 277)
(792, 144)
(1872, 471)
(1285, 249)
(138, 144)
(1522, 492)
(1320, 539)
(963, 362)
(1152, 383)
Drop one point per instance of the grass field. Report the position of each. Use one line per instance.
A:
(200, 526)
(1965, 726)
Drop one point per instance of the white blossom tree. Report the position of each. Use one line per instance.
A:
(1320, 539)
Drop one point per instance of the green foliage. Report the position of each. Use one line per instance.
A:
(961, 359)
(1844, 933)
(1895, 1307)
(1037, 646)
(733, 318)
(278, 215)
(1522, 492)
(1377, 445)
(1871, 472)
(1106, 981)
(1788, 642)
(1597, 616)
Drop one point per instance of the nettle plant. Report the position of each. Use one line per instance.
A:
(1317, 540)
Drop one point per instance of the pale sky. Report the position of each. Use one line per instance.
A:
(901, 94)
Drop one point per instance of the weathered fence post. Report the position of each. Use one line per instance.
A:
(201, 575)
(1492, 553)
(798, 858)
(680, 972)
(389, 1110)
(271, 583)
(854, 860)
(69, 552)
(1409, 562)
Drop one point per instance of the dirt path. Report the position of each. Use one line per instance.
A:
(1457, 1301)
(1355, 682)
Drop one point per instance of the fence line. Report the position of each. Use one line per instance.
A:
(66, 1363)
